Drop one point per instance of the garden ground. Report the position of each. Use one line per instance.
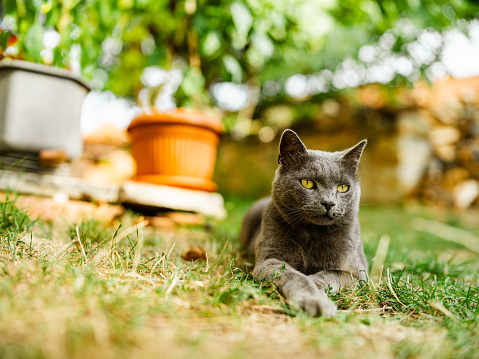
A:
(108, 290)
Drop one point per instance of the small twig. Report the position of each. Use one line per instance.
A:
(157, 263)
(365, 310)
(127, 231)
(169, 253)
(207, 263)
(81, 245)
(442, 309)
(391, 288)
(172, 284)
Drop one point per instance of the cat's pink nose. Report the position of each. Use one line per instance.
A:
(328, 205)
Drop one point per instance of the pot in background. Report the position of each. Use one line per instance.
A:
(40, 108)
(176, 148)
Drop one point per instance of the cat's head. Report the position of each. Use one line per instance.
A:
(316, 187)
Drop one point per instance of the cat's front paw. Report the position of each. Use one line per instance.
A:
(317, 306)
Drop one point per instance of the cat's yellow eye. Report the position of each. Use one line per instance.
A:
(343, 188)
(307, 183)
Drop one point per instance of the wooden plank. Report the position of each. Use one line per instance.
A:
(137, 193)
(206, 203)
(49, 185)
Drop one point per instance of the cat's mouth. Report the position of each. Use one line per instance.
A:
(322, 219)
(319, 217)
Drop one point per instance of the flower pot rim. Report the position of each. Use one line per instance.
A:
(28, 66)
(178, 116)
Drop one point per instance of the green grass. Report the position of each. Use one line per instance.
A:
(94, 290)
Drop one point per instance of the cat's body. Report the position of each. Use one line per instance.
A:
(306, 236)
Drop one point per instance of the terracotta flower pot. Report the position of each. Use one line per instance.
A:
(176, 148)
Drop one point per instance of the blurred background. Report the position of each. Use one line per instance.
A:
(403, 74)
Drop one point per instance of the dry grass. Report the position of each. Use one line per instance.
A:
(94, 290)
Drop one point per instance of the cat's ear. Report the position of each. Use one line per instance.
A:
(352, 155)
(290, 147)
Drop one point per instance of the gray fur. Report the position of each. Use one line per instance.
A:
(252, 225)
(309, 238)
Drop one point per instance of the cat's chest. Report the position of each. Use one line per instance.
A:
(322, 252)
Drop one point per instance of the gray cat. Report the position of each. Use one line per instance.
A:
(306, 236)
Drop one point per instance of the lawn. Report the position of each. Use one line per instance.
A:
(97, 290)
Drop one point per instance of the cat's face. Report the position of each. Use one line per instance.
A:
(316, 187)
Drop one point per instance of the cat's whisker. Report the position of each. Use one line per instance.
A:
(293, 220)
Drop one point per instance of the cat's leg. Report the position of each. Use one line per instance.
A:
(335, 279)
(296, 287)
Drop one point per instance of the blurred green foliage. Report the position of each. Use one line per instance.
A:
(247, 41)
